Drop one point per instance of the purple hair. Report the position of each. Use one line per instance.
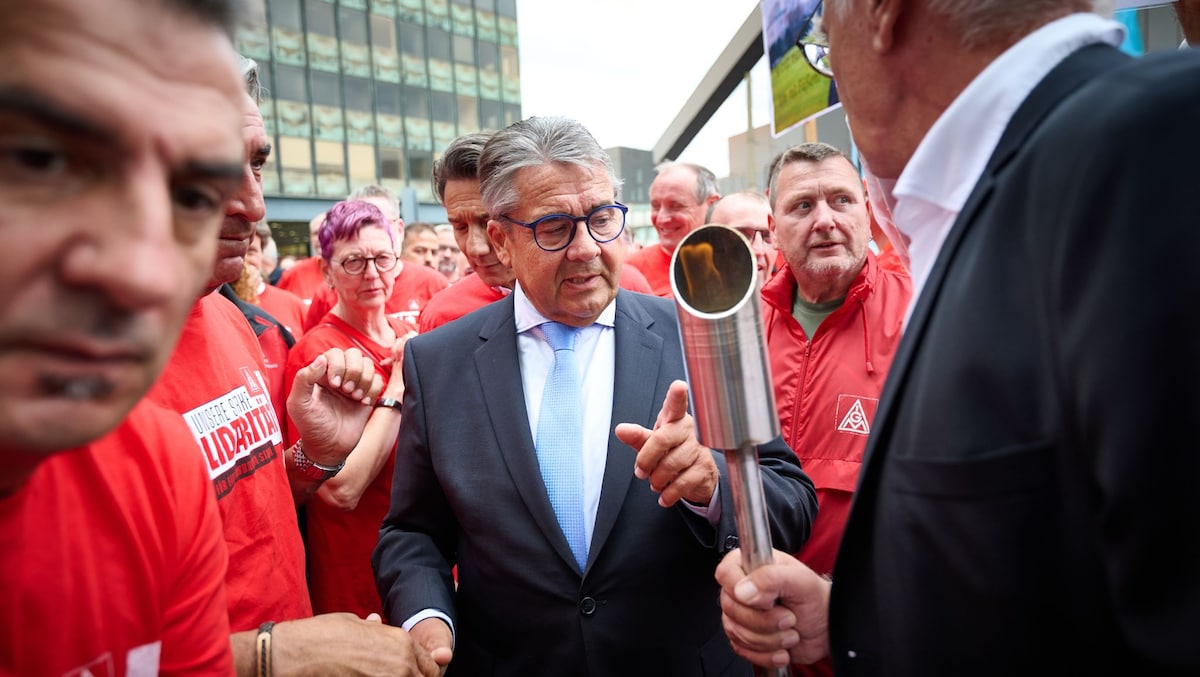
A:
(345, 219)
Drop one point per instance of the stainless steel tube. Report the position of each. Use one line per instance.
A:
(715, 283)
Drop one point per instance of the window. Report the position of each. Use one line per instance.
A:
(357, 93)
(330, 159)
(489, 57)
(468, 113)
(439, 44)
(320, 18)
(294, 153)
(325, 89)
(510, 67)
(443, 106)
(285, 14)
(387, 98)
(383, 32)
(289, 83)
(353, 24)
(412, 40)
(420, 163)
(362, 162)
(491, 114)
(391, 163)
(464, 50)
(416, 102)
(507, 8)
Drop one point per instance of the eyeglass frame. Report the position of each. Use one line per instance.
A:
(575, 220)
(814, 38)
(369, 260)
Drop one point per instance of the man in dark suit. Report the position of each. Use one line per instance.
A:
(472, 487)
(1027, 506)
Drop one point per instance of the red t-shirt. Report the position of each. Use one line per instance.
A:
(634, 280)
(340, 543)
(460, 298)
(284, 306)
(303, 279)
(655, 264)
(113, 561)
(215, 379)
(414, 286)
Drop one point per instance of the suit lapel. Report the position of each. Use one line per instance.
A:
(638, 356)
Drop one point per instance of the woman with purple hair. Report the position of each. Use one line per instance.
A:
(358, 261)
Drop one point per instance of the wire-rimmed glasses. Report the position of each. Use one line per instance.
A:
(555, 231)
(813, 43)
(357, 265)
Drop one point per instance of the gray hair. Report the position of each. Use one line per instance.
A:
(459, 161)
(706, 181)
(983, 22)
(249, 70)
(270, 251)
(534, 142)
(752, 195)
(814, 152)
(376, 190)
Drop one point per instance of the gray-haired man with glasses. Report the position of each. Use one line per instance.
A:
(553, 460)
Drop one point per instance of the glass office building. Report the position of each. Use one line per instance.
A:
(371, 91)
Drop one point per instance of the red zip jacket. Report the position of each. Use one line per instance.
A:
(827, 388)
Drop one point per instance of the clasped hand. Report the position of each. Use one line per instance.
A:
(331, 401)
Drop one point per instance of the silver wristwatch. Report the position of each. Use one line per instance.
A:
(310, 468)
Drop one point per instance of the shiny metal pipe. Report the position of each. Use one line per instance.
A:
(715, 283)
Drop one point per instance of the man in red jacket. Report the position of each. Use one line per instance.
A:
(833, 319)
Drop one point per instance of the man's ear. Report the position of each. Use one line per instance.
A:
(883, 17)
(499, 237)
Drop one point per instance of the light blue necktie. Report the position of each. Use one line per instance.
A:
(560, 437)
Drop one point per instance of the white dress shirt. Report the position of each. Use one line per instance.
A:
(938, 179)
(595, 352)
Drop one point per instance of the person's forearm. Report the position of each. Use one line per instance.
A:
(378, 442)
(245, 653)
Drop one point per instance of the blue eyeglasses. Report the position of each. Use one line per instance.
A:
(813, 43)
(555, 231)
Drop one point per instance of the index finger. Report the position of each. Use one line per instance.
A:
(674, 404)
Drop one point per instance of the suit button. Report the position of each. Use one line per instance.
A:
(731, 543)
(587, 606)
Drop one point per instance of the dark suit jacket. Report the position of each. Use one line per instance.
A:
(467, 491)
(1028, 503)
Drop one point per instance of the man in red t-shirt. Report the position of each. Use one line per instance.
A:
(304, 278)
(280, 304)
(216, 379)
(679, 199)
(111, 551)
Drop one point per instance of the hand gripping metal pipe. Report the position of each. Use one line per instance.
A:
(715, 282)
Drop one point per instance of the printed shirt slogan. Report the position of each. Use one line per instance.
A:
(237, 432)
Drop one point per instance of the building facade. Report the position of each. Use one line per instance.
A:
(371, 91)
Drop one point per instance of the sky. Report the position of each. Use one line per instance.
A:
(625, 68)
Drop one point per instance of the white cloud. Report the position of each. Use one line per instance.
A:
(624, 68)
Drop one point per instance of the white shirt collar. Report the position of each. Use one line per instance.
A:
(528, 317)
(950, 159)
(935, 184)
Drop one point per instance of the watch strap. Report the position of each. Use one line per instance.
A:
(389, 402)
(310, 468)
